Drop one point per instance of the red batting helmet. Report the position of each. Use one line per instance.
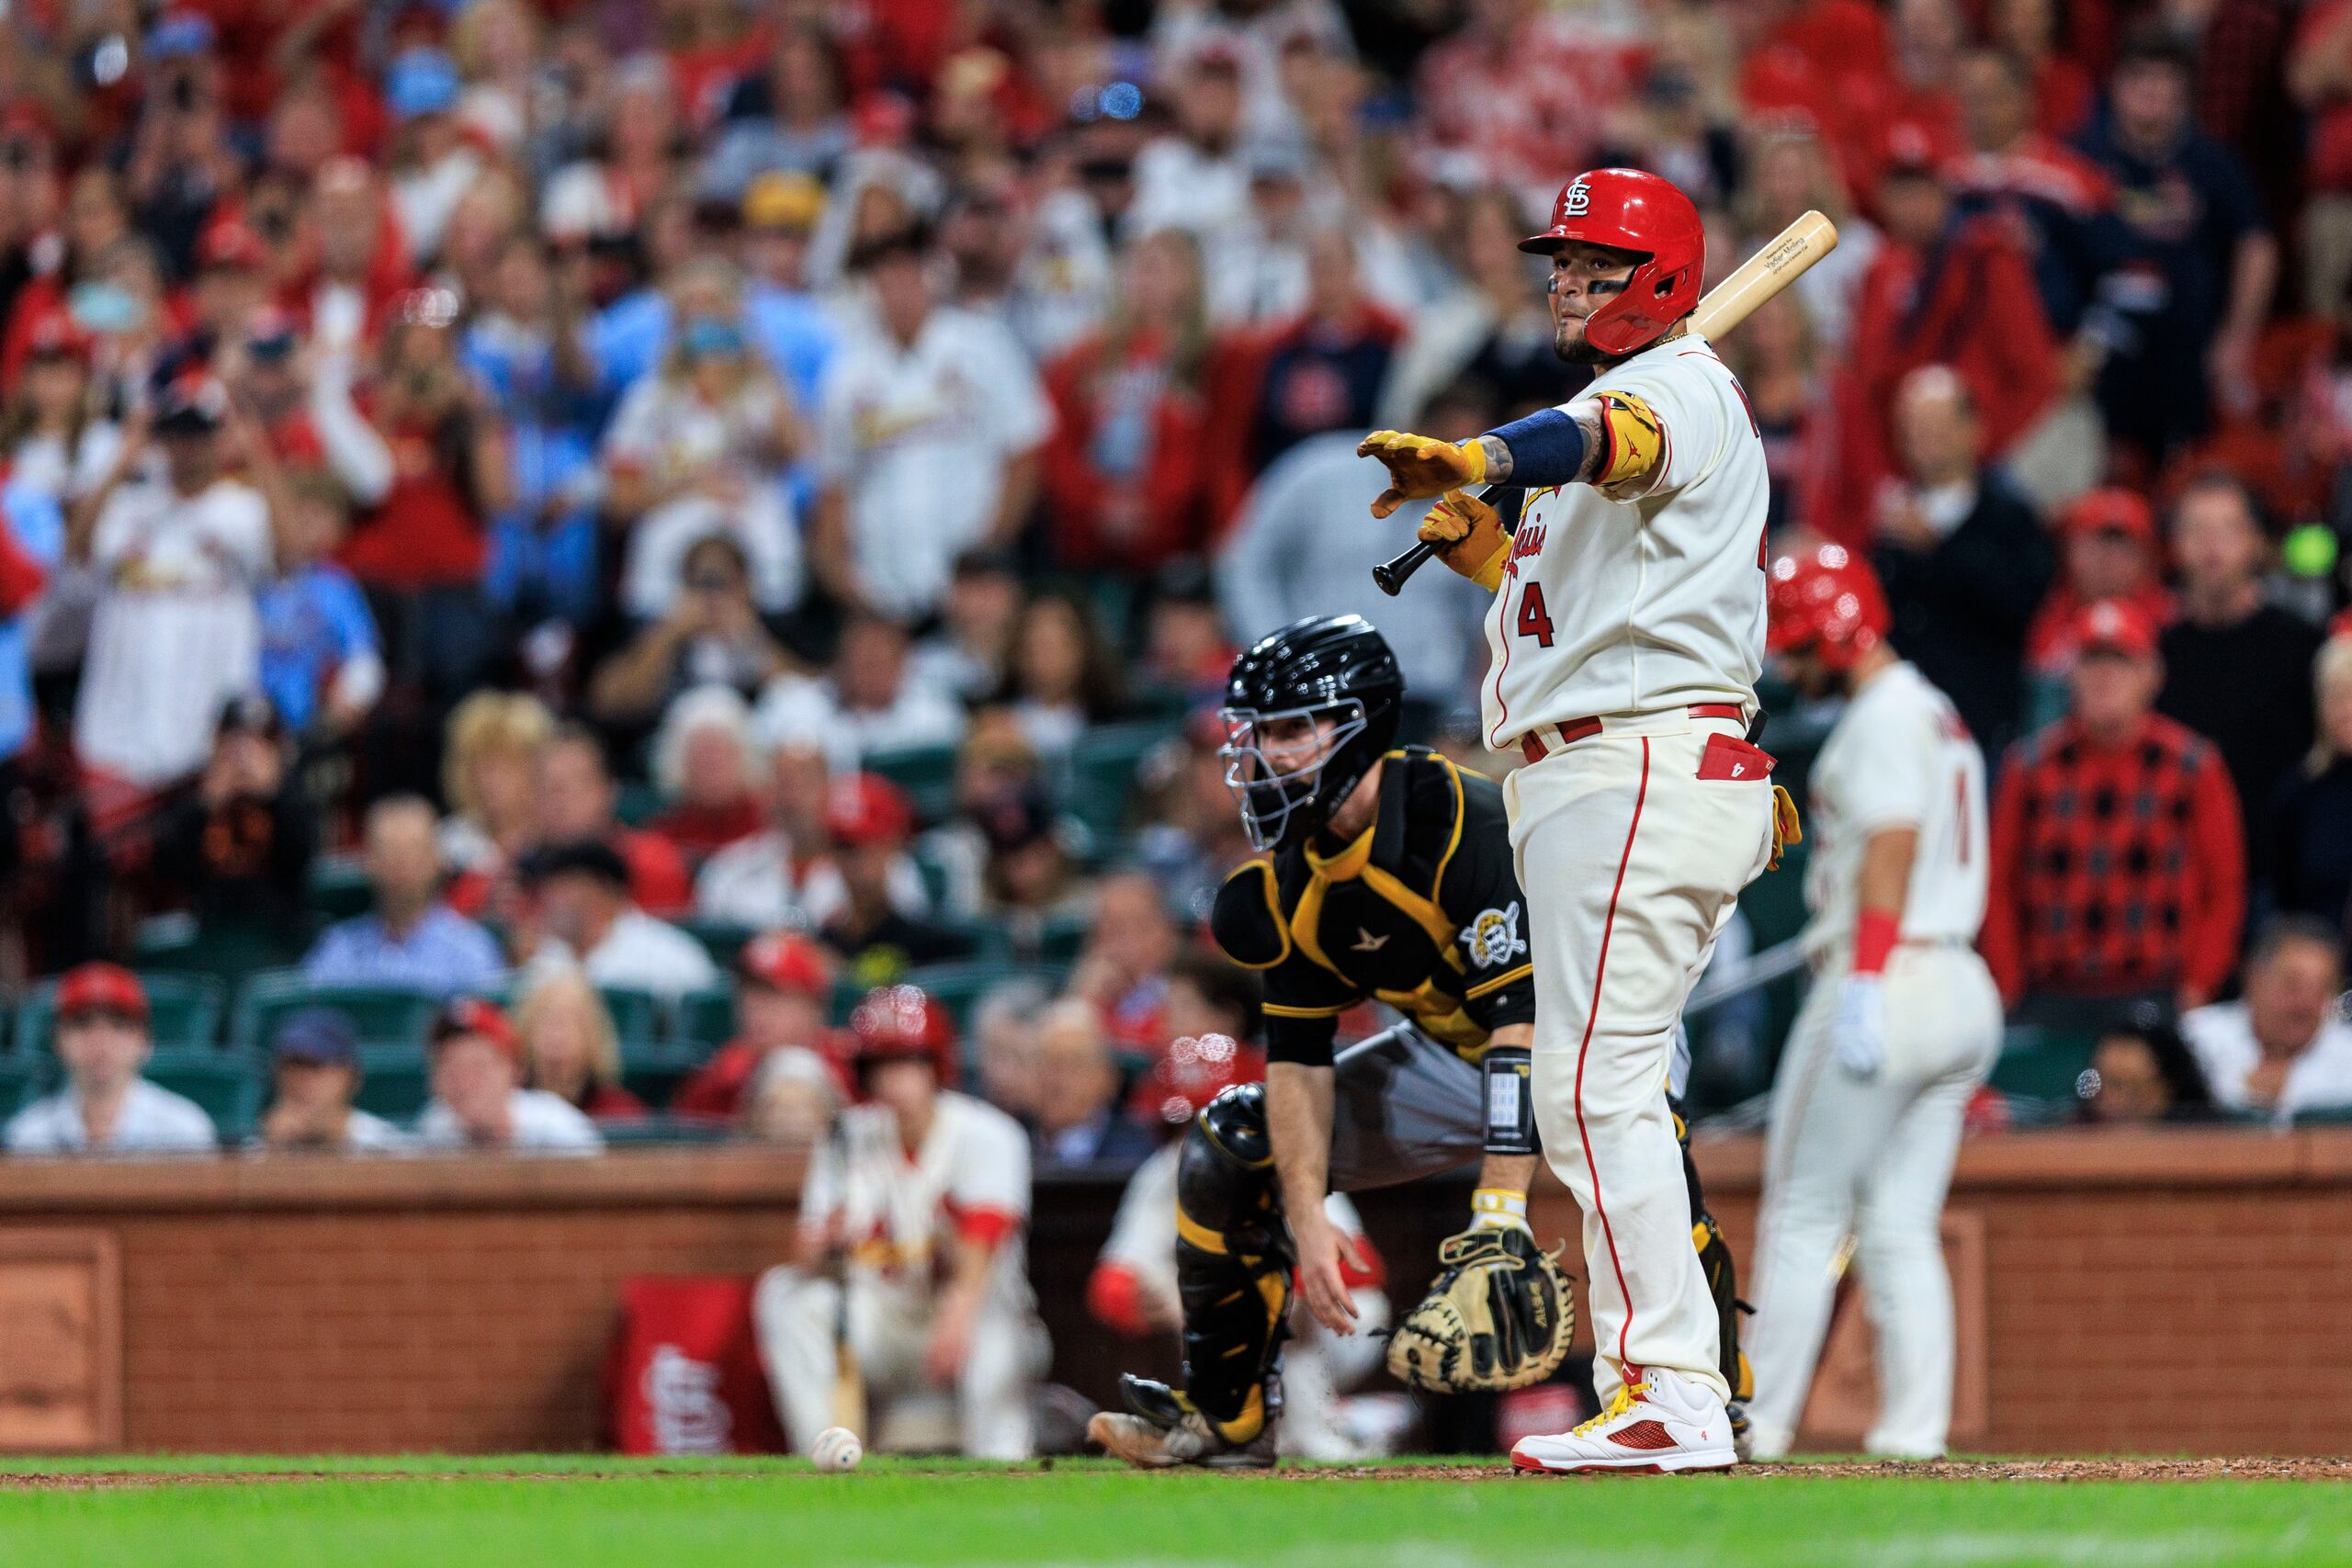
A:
(1829, 603)
(1629, 210)
(1195, 1070)
(897, 1023)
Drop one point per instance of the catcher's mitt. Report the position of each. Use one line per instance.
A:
(1498, 1315)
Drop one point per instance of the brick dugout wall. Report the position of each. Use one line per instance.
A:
(2129, 1284)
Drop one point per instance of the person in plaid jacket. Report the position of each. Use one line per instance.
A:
(2119, 866)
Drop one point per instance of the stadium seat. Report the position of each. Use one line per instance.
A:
(652, 1069)
(1103, 768)
(926, 773)
(707, 1016)
(2041, 1063)
(643, 1131)
(394, 1081)
(184, 1012)
(230, 1083)
(723, 940)
(636, 1015)
(379, 1015)
(637, 803)
(339, 889)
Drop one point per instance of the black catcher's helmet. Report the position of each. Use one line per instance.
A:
(1334, 667)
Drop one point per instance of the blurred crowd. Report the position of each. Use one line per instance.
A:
(514, 499)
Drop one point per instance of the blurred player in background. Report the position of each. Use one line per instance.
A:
(914, 1279)
(1900, 1027)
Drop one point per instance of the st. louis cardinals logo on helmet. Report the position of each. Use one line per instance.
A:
(1576, 201)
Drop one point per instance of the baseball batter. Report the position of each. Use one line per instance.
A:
(919, 1200)
(1391, 879)
(1901, 1025)
(1626, 634)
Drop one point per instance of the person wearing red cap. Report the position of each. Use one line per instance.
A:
(479, 1101)
(783, 982)
(105, 1108)
(2107, 550)
(1900, 1026)
(869, 818)
(2119, 869)
(918, 1201)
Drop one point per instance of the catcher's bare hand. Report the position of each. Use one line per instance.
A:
(1324, 1254)
(1420, 467)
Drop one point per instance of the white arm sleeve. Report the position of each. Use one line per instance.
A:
(356, 454)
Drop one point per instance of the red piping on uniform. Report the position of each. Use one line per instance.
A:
(1599, 971)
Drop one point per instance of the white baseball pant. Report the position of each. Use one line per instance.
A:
(1632, 863)
(1871, 1158)
(794, 1315)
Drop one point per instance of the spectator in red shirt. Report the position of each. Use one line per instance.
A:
(782, 985)
(1946, 290)
(1126, 470)
(571, 1048)
(576, 800)
(2118, 868)
(422, 549)
(2107, 550)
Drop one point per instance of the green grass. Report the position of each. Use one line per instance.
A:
(760, 1514)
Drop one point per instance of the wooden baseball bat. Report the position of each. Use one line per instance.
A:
(1730, 302)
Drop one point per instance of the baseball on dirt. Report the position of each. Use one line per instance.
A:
(836, 1448)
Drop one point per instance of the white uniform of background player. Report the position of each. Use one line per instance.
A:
(1317, 1365)
(1627, 632)
(899, 1215)
(1867, 1110)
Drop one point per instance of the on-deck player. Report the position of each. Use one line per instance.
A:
(921, 1196)
(1902, 1023)
(1626, 634)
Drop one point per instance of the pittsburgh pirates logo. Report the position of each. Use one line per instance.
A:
(1576, 201)
(1493, 938)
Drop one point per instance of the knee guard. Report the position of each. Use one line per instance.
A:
(1722, 1279)
(1233, 1262)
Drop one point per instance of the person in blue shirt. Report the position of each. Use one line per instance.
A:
(321, 664)
(526, 349)
(33, 545)
(411, 938)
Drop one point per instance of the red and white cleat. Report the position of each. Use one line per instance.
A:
(1665, 1422)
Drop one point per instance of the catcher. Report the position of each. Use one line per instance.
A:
(1390, 879)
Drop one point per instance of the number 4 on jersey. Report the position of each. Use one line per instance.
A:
(1532, 620)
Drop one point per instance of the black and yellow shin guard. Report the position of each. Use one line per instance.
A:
(1233, 1262)
(1723, 1279)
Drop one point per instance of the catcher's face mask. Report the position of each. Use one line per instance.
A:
(1275, 762)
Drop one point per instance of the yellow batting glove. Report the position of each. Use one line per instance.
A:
(1469, 537)
(1421, 466)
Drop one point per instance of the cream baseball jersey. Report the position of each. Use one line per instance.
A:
(1898, 755)
(898, 1213)
(1647, 594)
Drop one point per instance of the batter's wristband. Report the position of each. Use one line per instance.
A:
(1510, 1102)
(1876, 931)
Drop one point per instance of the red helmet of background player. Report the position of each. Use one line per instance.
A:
(1194, 1071)
(1826, 602)
(897, 1023)
(1629, 210)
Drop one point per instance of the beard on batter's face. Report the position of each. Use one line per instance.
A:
(1569, 344)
